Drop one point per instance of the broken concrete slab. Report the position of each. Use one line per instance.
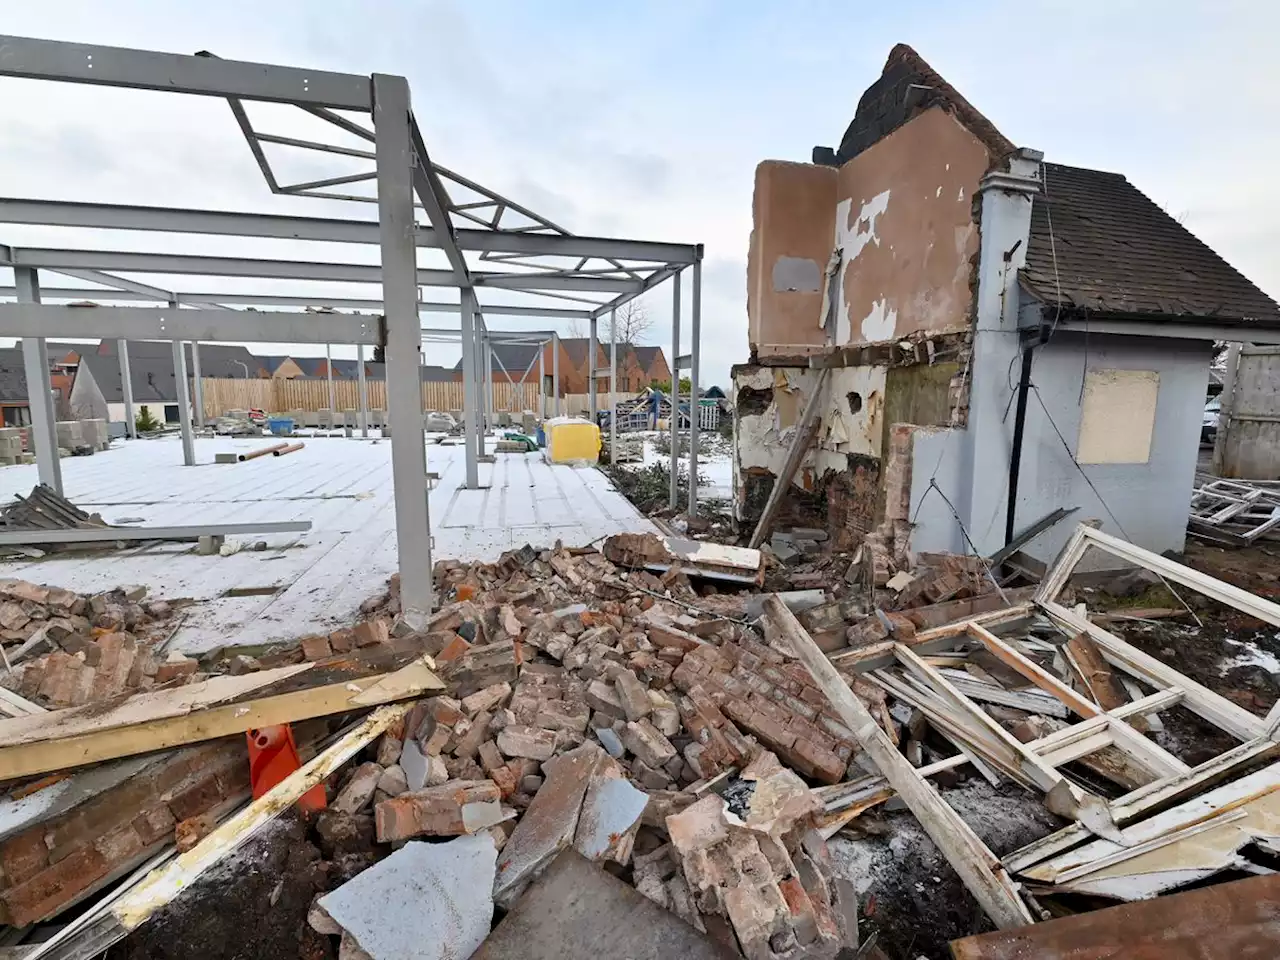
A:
(576, 911)
(550, 823)
(427, 900)
(610, 816)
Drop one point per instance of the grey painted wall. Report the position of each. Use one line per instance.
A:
(1150, 499)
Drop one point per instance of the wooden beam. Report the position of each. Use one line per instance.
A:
(968, 855)
(1033, 672)
(202, 711)
(806, 431)
(166, 882)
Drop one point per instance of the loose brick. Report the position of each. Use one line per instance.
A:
(154, 824)
(434, 812)
(190, 832)
(342, 640)
(602, 697)
(176, 667)
(371, 632)
(355, 796)
(194, 800)
(316, 648)
(120, 845)
(633, 695)
(523, 741)
(644, 740)
(486, 699)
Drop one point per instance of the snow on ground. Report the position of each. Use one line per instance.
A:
(715, 460)
(314, 581)
(1251, 655)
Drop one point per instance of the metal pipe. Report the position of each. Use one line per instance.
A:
(695, 401)
(263, 451)
(287, 448)
(1015, 455)
(675, 392)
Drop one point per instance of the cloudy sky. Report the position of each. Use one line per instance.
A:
(647, 120)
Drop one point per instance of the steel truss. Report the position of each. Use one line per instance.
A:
(531, 256)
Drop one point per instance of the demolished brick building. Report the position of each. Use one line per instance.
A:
(924, 263)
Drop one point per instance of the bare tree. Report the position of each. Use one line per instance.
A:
(633, 323)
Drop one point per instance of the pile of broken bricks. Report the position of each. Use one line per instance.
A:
(63, 649)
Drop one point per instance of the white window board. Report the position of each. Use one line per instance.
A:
(1118, 417)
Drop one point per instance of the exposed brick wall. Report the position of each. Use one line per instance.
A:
(53, 863)
(851, 502)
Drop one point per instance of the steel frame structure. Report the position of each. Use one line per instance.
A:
(534, 257)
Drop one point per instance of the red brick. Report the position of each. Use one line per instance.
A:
(434, 812)
(456, 648)
(204, 794)
(98, 816)
(49, 890)
(24, 856)
(816, 762)
(154, 824)
(341, 641)
(316, 648)
(174, 669)
(371, 632)
(120, 845)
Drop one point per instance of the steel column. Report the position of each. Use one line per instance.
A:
(184, 403)
(675, 392)
(328, 368)
(542, 382)
(35, 362)
(476, 421)
(695, 404)
(489, 405)
(126, 387)
(364, 391)
(404, 381)
(592, 364)
(555, 370)
(470, 402)
(197, 388)
(613, 379)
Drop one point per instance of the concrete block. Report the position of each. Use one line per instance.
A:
(432, 901)
(610, 817)
(226, 458)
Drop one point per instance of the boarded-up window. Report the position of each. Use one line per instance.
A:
(1118, 416)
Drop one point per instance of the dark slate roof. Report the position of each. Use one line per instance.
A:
(153, 379)
(271, 362)
(906, 87)
(645, 356)
(576, 349)
(1118, 253)
(216, 359)
(429, 374)
(310, 366)
(13, 377)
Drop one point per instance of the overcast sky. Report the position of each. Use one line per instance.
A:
(647, 120)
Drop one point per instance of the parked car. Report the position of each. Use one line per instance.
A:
(1209, 423)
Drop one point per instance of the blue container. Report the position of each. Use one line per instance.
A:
(541, 437)
(280, 426)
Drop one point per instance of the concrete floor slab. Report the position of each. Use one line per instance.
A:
(343, 486)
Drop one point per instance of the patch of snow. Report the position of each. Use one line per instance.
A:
(1250, 655)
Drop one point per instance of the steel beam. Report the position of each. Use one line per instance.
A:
(470, 396)
(392, 120)
(695, 401)
(675, 393)
(111, 534)
(35, 362)
(184, 403)
(110, 216)
(197, 387)
(196, 265)
(555, 371)
(158, 323)
(126, 388)
(363, 390)
(613, 380)
(592, 385)
(178, 73)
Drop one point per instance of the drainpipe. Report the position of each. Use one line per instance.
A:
(1015, 455)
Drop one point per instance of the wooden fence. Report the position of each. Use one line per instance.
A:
(281, 395)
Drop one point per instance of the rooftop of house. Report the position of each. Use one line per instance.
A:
(646, 356)
(216, 359)
(906, 87)
(1099, 244)
(428, 373)
(13, 377)
(153, 379)
(515, 359)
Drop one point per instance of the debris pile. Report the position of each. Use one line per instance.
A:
(609, 711)
(66, 649)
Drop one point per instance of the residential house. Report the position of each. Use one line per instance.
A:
(1005, 336)
(98, 392)
(428, 373)
(278, 367)
(652, 364)
(14, 406)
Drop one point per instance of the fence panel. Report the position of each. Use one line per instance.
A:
(280, 395)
